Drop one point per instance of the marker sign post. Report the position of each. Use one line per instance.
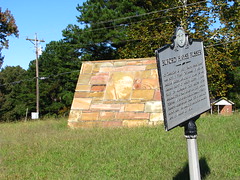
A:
(184, 89)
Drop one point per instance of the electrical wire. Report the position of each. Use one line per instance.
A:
(52, 76)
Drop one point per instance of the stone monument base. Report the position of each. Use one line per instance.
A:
(115, 93)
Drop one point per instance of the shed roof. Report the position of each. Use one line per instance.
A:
(222, 101)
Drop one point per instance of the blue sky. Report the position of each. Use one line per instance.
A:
(47, 18)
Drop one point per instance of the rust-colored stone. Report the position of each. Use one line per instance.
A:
(101, 87)
(157, 95)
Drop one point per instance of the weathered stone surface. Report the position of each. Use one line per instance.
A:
(89, 116)
(100, 87)
(151, 66)
(149, 61)
(74, 115)
(81, 87)
(143, 94)
(117, 93)
(153, 106)
(99, 79)
(84, 79)
(113, 107)
(81, 94)
(120, 63)
(134, 107)
(156, 117)
(120, 86)
(81, 103)
(105, 115)
(134, 63)
(87, 68)
(149, 84)
(132, 115)
(157, 95)
(96, 95)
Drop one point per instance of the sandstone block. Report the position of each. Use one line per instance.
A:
(101, 87)
(105, 115)
(143, 94)
(81, 87)
(132, 115)
(81, 103)
(84, 79)
(153, 106)
(74, 115)
(87, 68)
(157, 95)
(134, 107)
(156, 117)
(89, 116)
(81, 94)
(113, 107)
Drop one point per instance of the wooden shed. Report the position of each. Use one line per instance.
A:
(222, 106)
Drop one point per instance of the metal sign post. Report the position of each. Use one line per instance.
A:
(190, 129)
(184, 89)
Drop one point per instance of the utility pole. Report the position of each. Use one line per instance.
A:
(35, 43)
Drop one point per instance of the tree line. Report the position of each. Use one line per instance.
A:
(119, 29)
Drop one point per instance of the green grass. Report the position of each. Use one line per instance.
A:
(48, 149)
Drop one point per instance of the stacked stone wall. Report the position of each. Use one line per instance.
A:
(117, 93)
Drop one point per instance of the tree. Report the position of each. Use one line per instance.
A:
(223, 52)
(59, 67)
(134, 28)
(15, 96)
(7, 27)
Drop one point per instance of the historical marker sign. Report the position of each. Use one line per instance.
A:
(183, 80)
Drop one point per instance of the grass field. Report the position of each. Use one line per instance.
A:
(48, 149)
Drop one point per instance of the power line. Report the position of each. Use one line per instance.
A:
(51, 76)
(40, 78)
(153, 12)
